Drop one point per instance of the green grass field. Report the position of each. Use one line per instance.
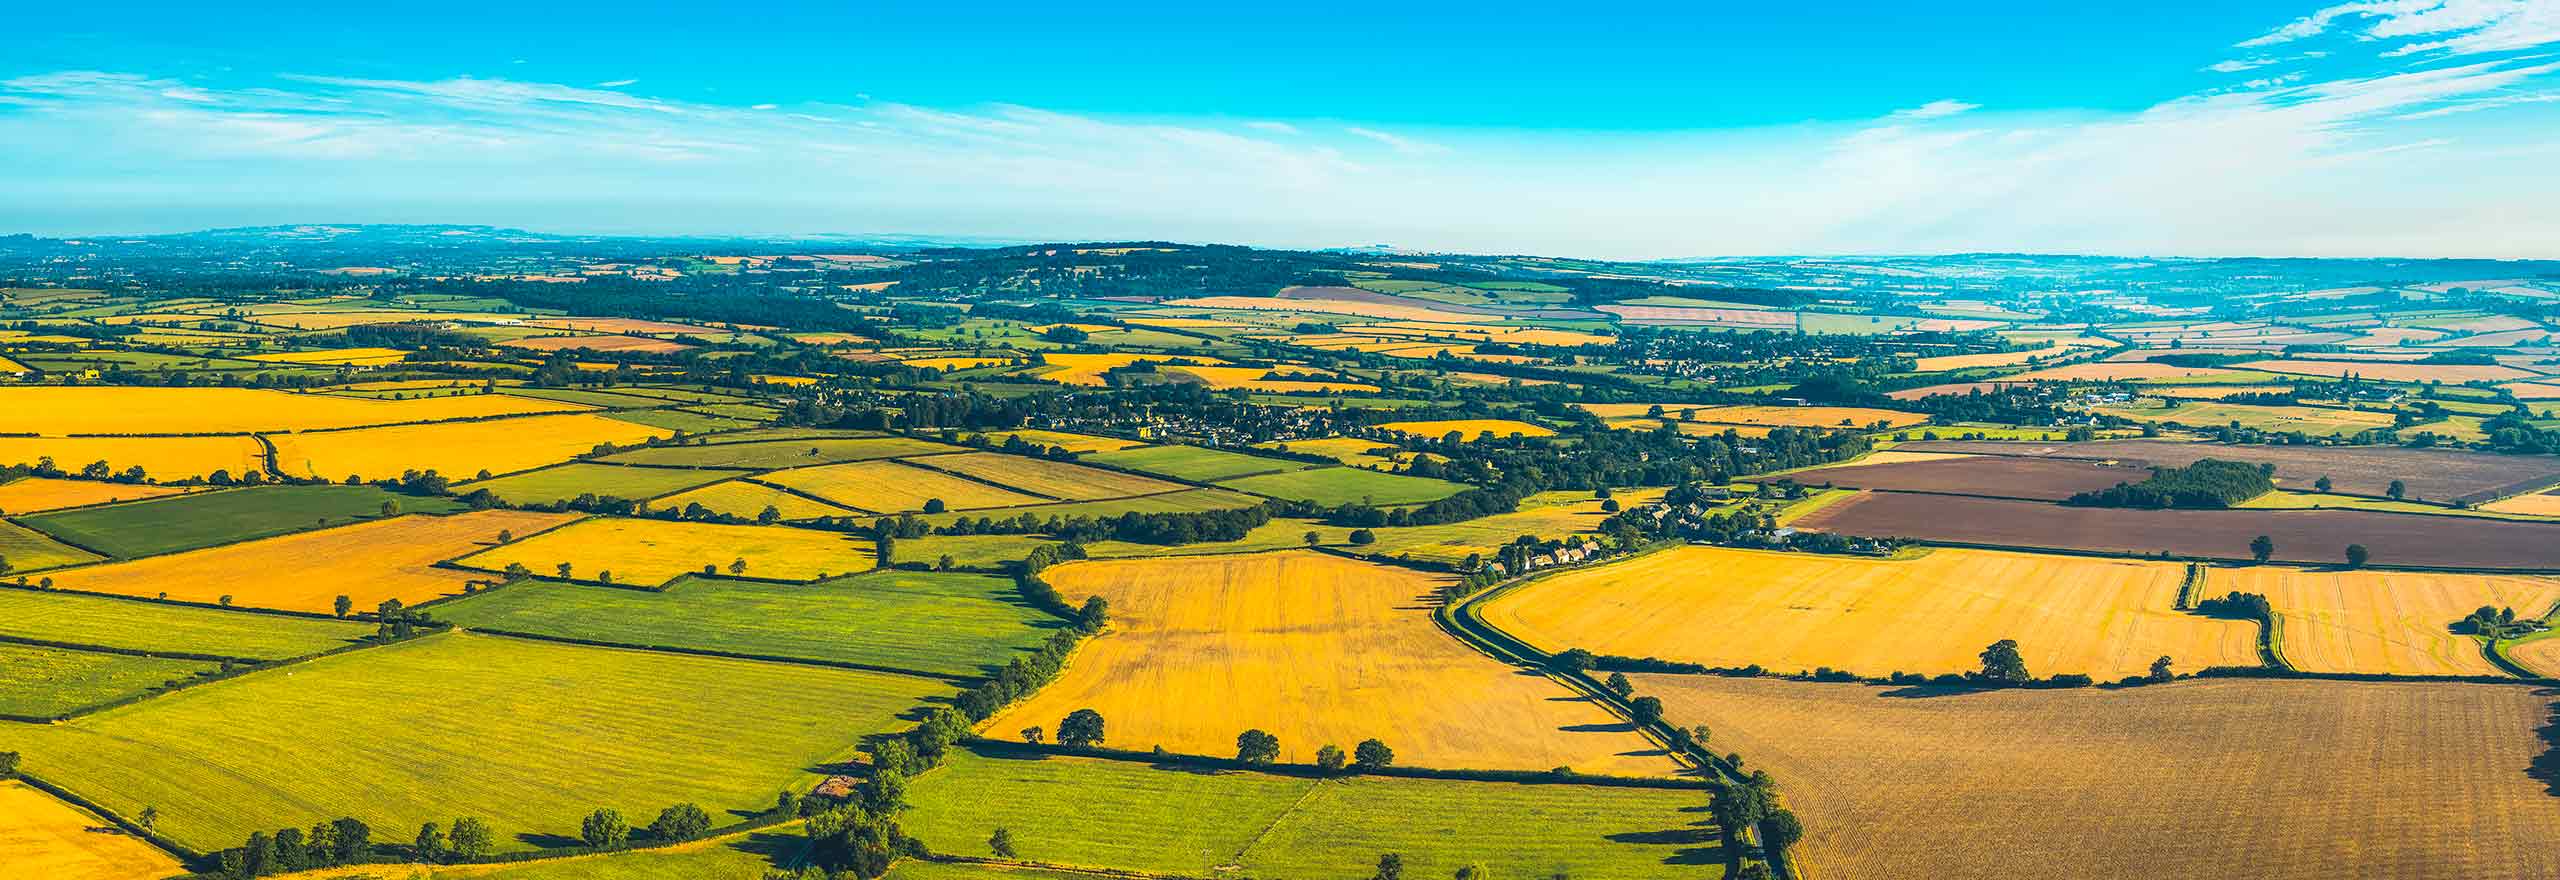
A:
(969, 551)
(1278, 534)
(50, 681)
(732, 857)
(1119, 814)
(948, 623)
(186, 522)
(1341, 485)
(1193, 463)
(606, 399)
(1171, 502)
(530, 736)
(567, 481)
(28, 550)
(678, 420)
(916, 870)
(130, 625)
(781, 453)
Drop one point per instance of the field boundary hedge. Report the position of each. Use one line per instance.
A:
(1010, 748)
(2154, 557)
(127, 652)
(1018, 490)
(128, 597)
(165, 843)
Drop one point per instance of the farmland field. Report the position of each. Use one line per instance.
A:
(1468, 428)
(2440, 474)
(2375, 621)
(746, 499)
(1996, 476)
(651, 729)
(43, 682)
(1796, 612)
(161, 458)
(1170, 502)
(1194, 463)
(185, 522)
(2308, 536)
(457, 450)
(1347, 450)
(1329, 486)
(39, 494)
(45, 837)
(2450, 374)
(367, 562)
(1129, 815)
(946, 623)
(55, 616)
(649, 552)
(1547, 515)
(568, 481)
(2230, 778)
(29, 550)
(970, 551)
(58, 410)
(892, 487)
(1072, 442)
(1050, 478)
(2314, 420)
(1316, 649)
(790, 453)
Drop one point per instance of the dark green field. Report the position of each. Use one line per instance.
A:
(186, 522)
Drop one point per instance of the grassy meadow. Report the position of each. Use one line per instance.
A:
(186, 522)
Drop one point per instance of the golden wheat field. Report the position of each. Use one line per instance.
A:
(2545, 504)
(890, 487)
(742, 498)
(649, 552)
(1469, 428)
(2382, 621)
(1087, 369)
(2269, 780)
(1072, 442)
(2106, 618)
(1251, 379)
(44, 837)
(1315, 649)
(81, 409)
(459, 450)
(1055, 479)
(39, 494)
(367, 562)
(351, 357)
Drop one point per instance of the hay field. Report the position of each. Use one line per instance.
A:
(2544, 504)
(163, 458)
(334, 357)
(742, 498)
(74, 618)
(45, 837)
(1072, 442)
(2119, 371)
(597, 343)
(1326, 306)
(1194, 463)
(1469, 428)
(649, 552)
(948, 364)
(2273, 780)
(1190, 501)
(29, 550)
(93, 409)
(1316, 649)
(46, 682)
(649, 729)
(1346, 485)
(1347, 450)
(1808, 416)
(2450, 374)
(891, 487)
(203, 519)
(784, 453)
(367, 562)
(457, 450)
(2383, 621)
(1051, 478)
(568, 481)
(1132, 816)
(1087, 369)
(2307, 419)
(1789, 612)
(1251, 379)
(1548, 515)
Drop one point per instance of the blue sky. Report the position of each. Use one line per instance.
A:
(2400, 127)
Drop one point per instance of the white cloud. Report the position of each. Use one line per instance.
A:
(1938, 109)
(615, 83)
(2237, 65)
(1399, 143)
(1272, 126)
(2463, 27)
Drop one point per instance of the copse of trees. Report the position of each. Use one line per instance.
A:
(2207, 484)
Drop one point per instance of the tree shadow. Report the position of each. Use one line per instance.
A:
(1931, 691)
(2546, 766)
(774, 847)
(1608, 727)
(548, 841)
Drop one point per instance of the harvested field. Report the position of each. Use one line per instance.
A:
(2313, 420)
(202, 519)
(1252, 379)
(457, 450)
(944, 623)
(121, 624)
(1316, 649)
(1087, 369)
(161, 458)
(2393, 622)
(366, 562)
(1130, 815)
(568, 481)
(45, 837)
(1347, 450)
(1327, 306)
(1548, 515)
(649, 729)
(597, 343)
(2118, 371)
(892, 487)
(1072, 442)
(649, 552)
(771, 454)
(1797, 612)
(1194, 463)
(1469, 428)
(2545, 504)
(351, 357)
(2450, 374)
(1191, 501)
(744, 499)
(98, 409)
(28, 550)
(47, 682)
(2307, 536)
(2277, 780)
(973, 551)
(1330, 486)
(1051, 478)
(1991, 476)
(2439, 474)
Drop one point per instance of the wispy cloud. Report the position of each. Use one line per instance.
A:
(2459, 27)
(1938, 109)
(2237, 65)
(1272, 126)
(1397, 142)
(616, 83)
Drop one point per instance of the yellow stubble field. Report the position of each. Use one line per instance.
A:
(2105, 618)
(81, 409)
(458, 450)
(1469, 428)
(39, 494)
(367, 562)
(41, 836)
(891, 487)
(1317, 650)
(2383, 621)
(649, 552)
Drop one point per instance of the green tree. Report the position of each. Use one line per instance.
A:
(349, 840)
(343, 605)
(150, 815)
(680, 822)
(2324, 485)
(2262, 548)
(934, 505)
(1330, 758)
(2397, 491)
(1001, 843)
(2002, 663)
(604, 829)
(1371, 754)
(1032, 734)
(1314, 539)
(1475, 872)
(1081, 728)
(8, 765)
(769, 515)
(1618, 684)
(1781, 830)
(429, 845)
(1363, 537)
(471, 838)
(1095, 613)
(1390, 865)
(2160, 670)
(1256, 747)
(1648, 709)
(2357, 556)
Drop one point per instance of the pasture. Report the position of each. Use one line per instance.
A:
(1347, 450)
(56, 616)
(42, 836)
(160, 458)
(1797, 612)
(2450, 374)
(1072, 442)
(1547, 515)
(44, 682)
(1101, 813)
(1193, 463)
(40, 494)
(1171, 502)
(100, 409)
(568, 481)
(650, 729)
(940, 623)
(185, 522)
(28, 550)
(1316, 649)
(2227, 778)
(969, 551)
(749, 499)
(1330, 486)
(2375, 621)
(1050, 478)
(458, 450)
(367, 562)
(894, 487)
(785, 453)
(649, 552)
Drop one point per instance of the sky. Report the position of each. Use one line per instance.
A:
(1627, 131)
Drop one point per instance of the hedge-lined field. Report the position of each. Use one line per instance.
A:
(40, 494)
(564, 482)
(1193, 501)
(29, 550)
(90, 409)
(788, 453)
(891, 487)
(1331, 486)
(49, 681)
(150, 626)
(527, 735)
(745, 499)
(41, 836)
(1193, 463)
(1052, 478)
(161, 458)
(367, 562)
(458, 450)
(186, 522)
(649, 552)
